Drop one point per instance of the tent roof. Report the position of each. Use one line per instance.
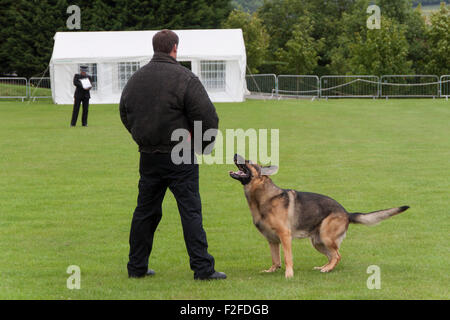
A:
(216, 44)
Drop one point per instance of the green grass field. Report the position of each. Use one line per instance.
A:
(67, 197)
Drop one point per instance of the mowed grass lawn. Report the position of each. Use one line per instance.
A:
(67, 196)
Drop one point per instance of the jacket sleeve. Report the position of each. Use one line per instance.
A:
(123, 114)
(199, 107)
(77, 82)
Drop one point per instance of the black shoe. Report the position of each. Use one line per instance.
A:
(149, 272)
(215, 276)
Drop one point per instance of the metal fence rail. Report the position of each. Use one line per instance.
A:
(14, 88)
(349, 86)
(261, 84)
(329, 86)
(39, 88)
(445, 86)
(298, 86)
(400, 86)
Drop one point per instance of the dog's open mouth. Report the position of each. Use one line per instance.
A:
(243, 171)
(238, 174)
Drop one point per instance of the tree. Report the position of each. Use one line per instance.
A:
(255, 36)
(29, 43)
(28, 26)
(352, 24)
(382, 51)
(7, 23)
(301, 50)
(247, 5)
(398, 10)
(438, 35)
(403, 13)
(417, 40)
(172, 14)
(280, 17)
(353, 29)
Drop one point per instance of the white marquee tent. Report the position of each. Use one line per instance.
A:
(217, 57)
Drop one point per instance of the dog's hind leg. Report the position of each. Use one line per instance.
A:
(317, 243)
(276, 261)
(334, 256)
(332, 232)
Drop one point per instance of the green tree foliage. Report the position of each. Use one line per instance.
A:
(438, 35)
(301, 50)
(28, 26)
(340, 24)
(402, 12)
(417, 40)
(247, 5)
(7, 26)
(353, 29)
(29, 40)
(398, 10)
(381, 51)
(280, 17)
(304, 36)
(353, 23)
(255, 36)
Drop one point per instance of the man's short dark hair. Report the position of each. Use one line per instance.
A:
(164, 40)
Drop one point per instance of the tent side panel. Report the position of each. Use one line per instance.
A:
(63, 83)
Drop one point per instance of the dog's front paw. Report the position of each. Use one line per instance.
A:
(289, 273)
(272, 269)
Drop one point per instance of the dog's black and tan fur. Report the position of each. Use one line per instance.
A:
(283, 214)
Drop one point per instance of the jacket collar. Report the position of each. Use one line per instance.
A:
(163, 57)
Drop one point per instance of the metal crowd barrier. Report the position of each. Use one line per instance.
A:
(13, 88)
(416, 86)
(262, 84)
(328, 86)
(444, 86)
(298, 86)
(39, 88)
(349, 86)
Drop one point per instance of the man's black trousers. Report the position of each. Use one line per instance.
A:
(158, 173)
(76, 109)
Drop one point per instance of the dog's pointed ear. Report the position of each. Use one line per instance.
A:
(269, 170)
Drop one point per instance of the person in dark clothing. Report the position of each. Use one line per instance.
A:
(159, 98)
(81, 95)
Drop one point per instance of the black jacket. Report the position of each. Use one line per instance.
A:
(163, 96)
(80, 93)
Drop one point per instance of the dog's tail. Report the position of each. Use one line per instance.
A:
(373, 218)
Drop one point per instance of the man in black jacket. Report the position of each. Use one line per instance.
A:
(159, 98)
(81, 95)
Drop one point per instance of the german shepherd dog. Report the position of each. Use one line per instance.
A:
(283, 214)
